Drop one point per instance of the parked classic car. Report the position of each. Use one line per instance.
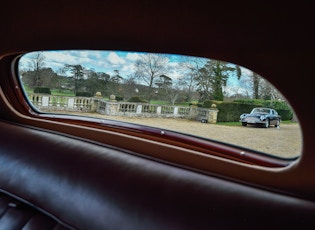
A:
(261, 117)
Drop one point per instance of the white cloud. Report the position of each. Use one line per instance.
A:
(128, 69)
(132, 56)
(114, 59)
(60, 57)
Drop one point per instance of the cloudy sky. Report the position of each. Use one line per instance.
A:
(100, 61)
(108, 61)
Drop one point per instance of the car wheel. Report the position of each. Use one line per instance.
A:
(244, 124)
(277, 125)
(267, 123)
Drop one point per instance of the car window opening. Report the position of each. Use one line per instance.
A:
(206, 98)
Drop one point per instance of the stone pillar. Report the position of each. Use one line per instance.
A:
(95, 101)
(139, 109)
(45, 101)
(213, 114)
(175, 110)
(193, 112)
(159, 110)
(94, 105)
(111, 109)
(70, 102)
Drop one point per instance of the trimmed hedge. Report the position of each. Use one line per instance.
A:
(42, 90)
(119, 98)
(285, 114)
(83, 94)
(136, 99)
(231, 111)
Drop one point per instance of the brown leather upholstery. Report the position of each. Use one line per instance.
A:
(16, 215)
(90, 186)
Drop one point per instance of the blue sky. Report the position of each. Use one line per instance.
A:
(100, 61)
(108, 61)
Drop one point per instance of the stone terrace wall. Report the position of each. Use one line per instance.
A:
(115, 108)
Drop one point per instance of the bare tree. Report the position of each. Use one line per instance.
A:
(256, 87)
(174, 91)
(130, 87)
(148, 69)
(36, 63)
(191, 67)
(170, 88)
(48, 77)
(269, 92)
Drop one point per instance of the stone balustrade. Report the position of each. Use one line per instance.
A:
(119, 108)
(61, 103)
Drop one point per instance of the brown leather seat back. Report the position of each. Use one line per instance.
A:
(16, 215)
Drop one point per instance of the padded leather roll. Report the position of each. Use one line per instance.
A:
(94, 187)
(16, 215)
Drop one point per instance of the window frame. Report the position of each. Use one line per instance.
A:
(17, 110)
(208, 147)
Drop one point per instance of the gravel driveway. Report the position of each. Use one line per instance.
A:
(283, 142)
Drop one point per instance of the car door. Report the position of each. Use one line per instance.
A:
(271, 117)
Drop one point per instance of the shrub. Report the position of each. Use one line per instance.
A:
(43, 90)
(136, 99)
(255, 102)
(119, 98)
(195, 104)
(83, 94)
(286, 114)
(230, 112)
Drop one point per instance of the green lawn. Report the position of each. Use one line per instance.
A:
(66, 92)
(159, 102)
(167, 103)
